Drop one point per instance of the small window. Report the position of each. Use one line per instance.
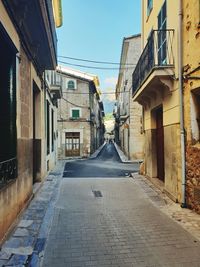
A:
(70, 84)
(149, 6)
(195, 116)
(75, 113)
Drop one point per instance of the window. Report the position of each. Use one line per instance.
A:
(70, 84)
(195, 116)
(8, 133)
(52, 130)
(48, 126)
(162, 35)
(75, 113)
(149, 6)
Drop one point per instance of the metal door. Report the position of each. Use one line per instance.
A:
(72, 144)
(160, 144)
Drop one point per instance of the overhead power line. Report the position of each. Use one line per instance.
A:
(89, 67)
(73, 104)
(97, 62)
(102, 93)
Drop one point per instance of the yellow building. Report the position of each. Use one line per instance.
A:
(156, 86)
(191, 74)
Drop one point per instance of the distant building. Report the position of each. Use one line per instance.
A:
(80, 116)
(128, 114)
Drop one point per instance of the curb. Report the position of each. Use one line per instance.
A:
(124, 158)
(96, 153)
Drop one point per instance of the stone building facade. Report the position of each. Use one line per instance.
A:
(128, 114)
(191, 75)
(80, 115)
(22, 94)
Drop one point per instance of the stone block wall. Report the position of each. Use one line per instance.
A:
(191, 44)
(14, 196)
(193, 177)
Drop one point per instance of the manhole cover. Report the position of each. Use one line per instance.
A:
(97, 193)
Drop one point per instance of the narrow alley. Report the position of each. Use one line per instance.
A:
(100, 133)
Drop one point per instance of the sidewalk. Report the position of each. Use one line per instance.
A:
(123, 157)
(96, 153)
(26, 243)
(186, 218)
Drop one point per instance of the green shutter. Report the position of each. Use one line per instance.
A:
(75, 113)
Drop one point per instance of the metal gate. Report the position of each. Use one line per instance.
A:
(72, 144)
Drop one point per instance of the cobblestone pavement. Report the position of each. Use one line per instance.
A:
(187, 218)
(102, 222)
(116, 222)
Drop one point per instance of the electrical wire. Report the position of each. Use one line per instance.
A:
(91, 67)
(74, 104)
(98, 62)
(105, 93)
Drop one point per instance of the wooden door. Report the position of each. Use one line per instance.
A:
(72, 144)
(160, 144)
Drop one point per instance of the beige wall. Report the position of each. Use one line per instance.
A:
(163, 93)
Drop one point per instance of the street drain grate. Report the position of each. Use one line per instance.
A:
(97, 193)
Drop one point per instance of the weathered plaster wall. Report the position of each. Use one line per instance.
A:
(191, 44)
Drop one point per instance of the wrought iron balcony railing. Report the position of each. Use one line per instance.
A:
(8, 171)
(158, 52)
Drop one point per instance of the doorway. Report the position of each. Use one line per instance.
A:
(72, 144)
(160, 144)
(36, 134)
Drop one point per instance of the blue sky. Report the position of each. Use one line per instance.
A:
(94, 30)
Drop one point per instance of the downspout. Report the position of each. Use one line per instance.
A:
(182, 132)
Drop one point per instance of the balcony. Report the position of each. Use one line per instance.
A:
(54, 82)
(8, 171)
(155, 66)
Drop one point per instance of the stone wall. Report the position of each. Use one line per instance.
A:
(193, 177)
(14, 196)
(191, 44)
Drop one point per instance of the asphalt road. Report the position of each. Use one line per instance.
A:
(107, 164)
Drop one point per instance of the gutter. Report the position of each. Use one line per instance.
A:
(182, 131)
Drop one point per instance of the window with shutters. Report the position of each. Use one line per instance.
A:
(75, 113)
(149, 6)
(162, 35)
(71, 85)
(8, 132)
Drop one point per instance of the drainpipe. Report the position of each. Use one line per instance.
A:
(180, 61)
